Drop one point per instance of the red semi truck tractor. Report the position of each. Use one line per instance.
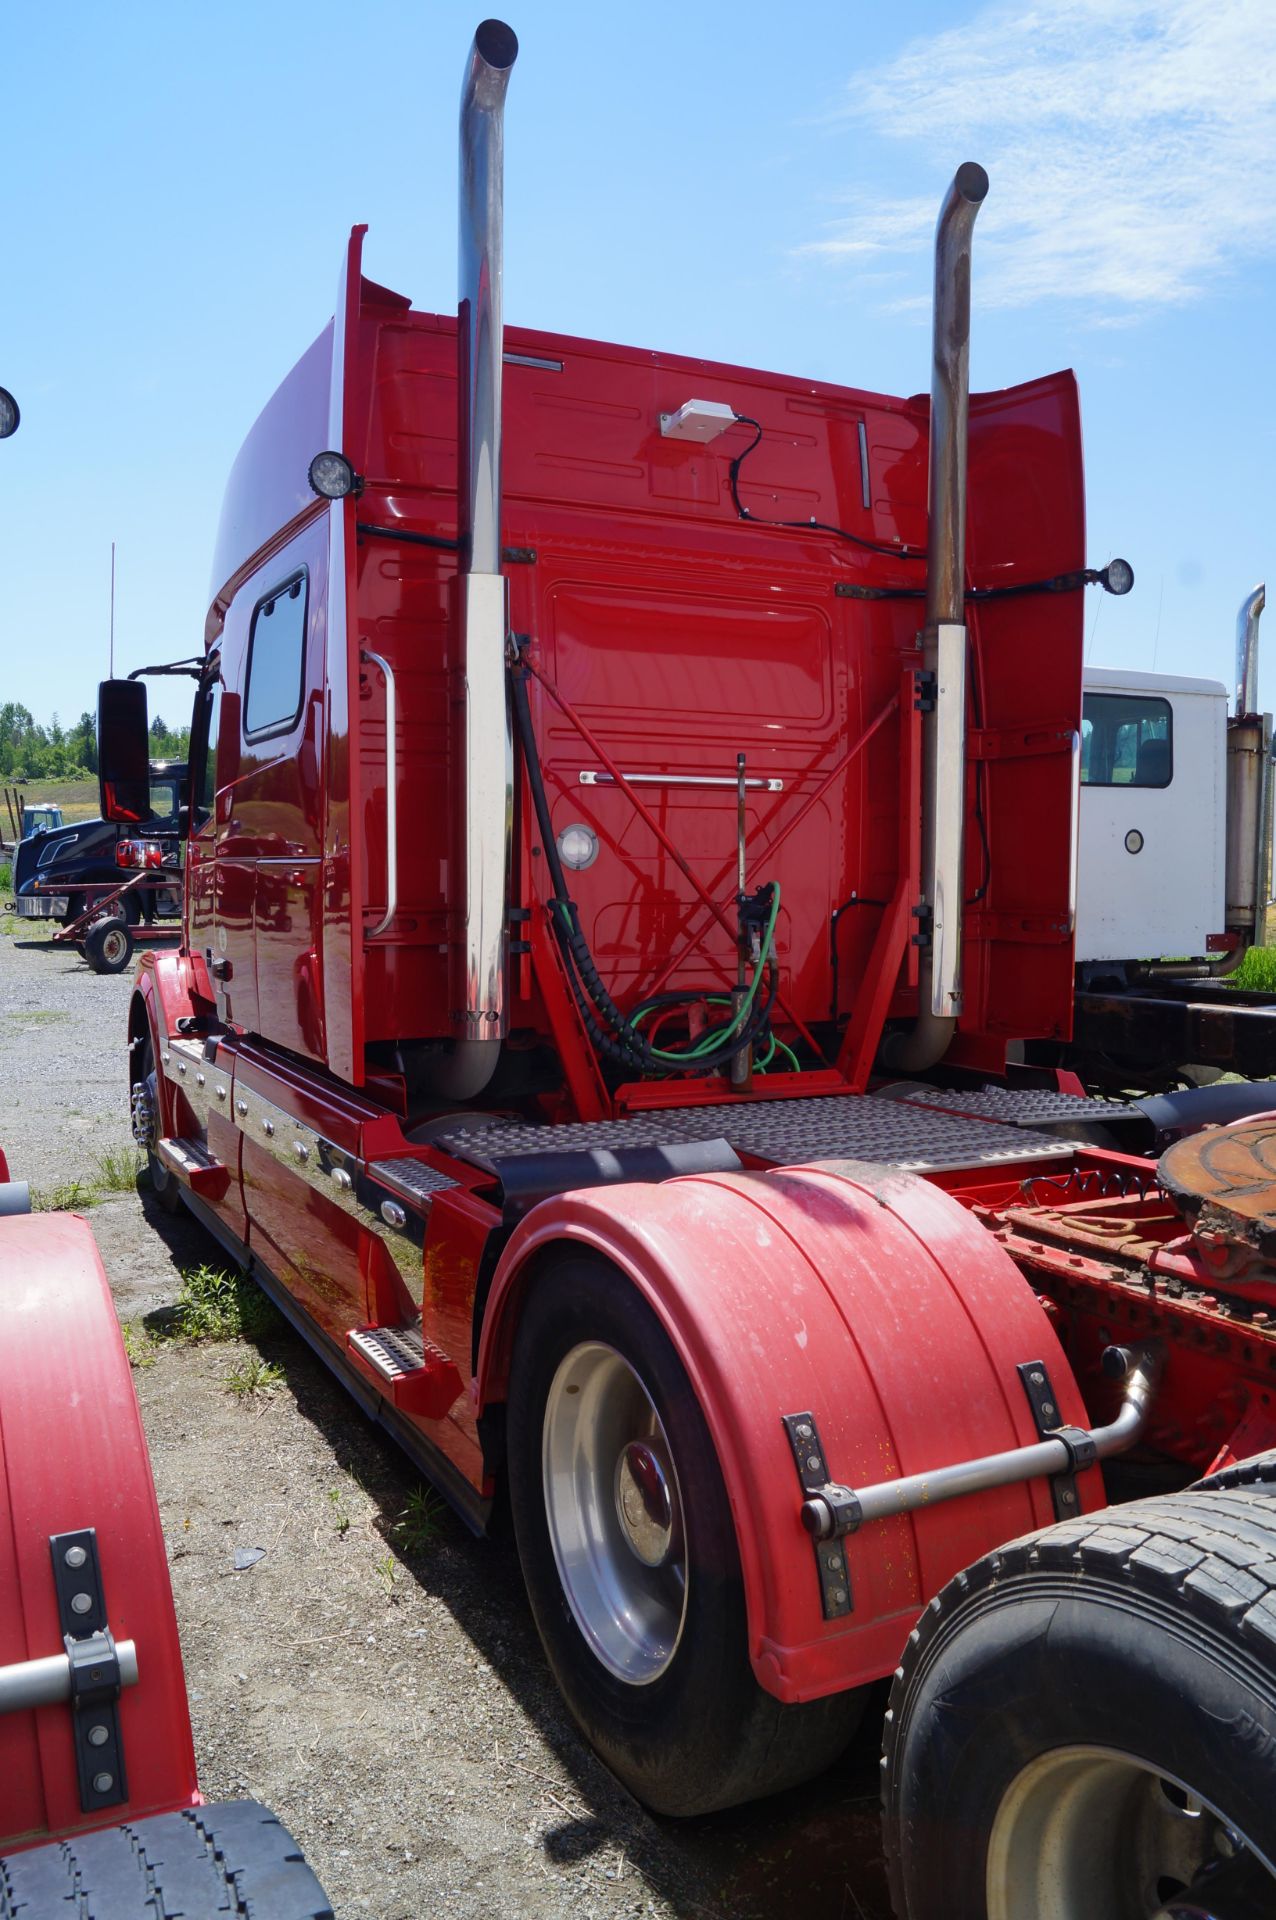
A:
(631, 850)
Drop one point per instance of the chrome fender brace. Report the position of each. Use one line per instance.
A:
(830, 1511)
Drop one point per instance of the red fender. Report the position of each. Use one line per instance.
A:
(72, 1455)
(865, 1296)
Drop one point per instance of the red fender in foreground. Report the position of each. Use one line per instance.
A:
(73, 1455)
(865, 1296)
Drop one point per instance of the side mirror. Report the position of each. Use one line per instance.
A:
(123, 752)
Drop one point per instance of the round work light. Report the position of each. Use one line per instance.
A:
(577, 847)
(9, 414)
(1117, 576)
(332, 477)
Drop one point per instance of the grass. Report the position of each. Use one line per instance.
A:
(215, 1304)
(388, 1572)
(1257, 971)
(421, 1522)
(39, 1016)
(340, 1511)
(256, 1378)
(116, 1170)
(141, 1348)
(70, 1196)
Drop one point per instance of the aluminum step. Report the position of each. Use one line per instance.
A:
(411, 1371)
(191, 1163)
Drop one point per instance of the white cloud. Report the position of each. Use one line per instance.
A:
(1131, 145)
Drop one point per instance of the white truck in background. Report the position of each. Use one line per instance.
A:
(1174, 871)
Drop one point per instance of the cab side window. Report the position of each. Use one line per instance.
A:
(1126, 741)
(276, 660)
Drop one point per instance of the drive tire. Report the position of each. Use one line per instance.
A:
(204, 1863)
(108, 945)
(1058, 1700)
(165, 1185)
(699, 1733)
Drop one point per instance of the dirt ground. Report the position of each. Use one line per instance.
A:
(386, 1696)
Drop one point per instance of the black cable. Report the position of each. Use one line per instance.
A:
(411, 539)
(1057, 583)
(856, 900)
(897, 552)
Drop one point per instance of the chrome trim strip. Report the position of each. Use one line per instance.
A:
(391, 795)
(532, 360)
(942, 876)
(1074, 859)
(589, 778)
(865, 494)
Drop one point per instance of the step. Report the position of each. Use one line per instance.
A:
(409, 1369)
(194, 1166)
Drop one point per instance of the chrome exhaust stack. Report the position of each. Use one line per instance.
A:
(1247, 620)
(480, 1012)
(944, 635)
(1249, 800)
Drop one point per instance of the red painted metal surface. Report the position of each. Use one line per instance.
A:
(72, 1455)
(868, 1296)
(674, 636)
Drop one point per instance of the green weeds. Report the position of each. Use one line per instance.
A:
(255, 1379)
(69, 1196)
(215, 1304)
(420, 1523)
(116, 1170)
(1257, 971)
(340, 1511)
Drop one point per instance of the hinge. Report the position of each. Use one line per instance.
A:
(95, 1669)
(925, 690)
(924, 915)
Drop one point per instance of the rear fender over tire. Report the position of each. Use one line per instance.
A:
(868, 1298)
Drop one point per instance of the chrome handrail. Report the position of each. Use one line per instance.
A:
(391, 795)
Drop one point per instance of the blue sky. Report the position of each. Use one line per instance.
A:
(751, 183)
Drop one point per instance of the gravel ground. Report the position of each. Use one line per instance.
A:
(388, 1699)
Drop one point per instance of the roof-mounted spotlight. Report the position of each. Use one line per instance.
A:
(1117, 577)
(332, 477)
(9, 414)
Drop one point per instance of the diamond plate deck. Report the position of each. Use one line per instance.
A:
(1020, 1106)
(786, 1132)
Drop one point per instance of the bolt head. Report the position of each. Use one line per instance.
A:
(1037, 1378)
(839, 1596)
(81, 1603)
(804, 1430)
(1048, 1409)
(103, 1782)
(812, 1462)
(75, 1556)
(99, 1735)
(1068, 1498)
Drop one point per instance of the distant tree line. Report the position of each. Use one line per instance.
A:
(30, 752)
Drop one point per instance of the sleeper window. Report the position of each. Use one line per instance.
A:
(276, 660)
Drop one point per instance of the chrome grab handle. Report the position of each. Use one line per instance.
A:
(43, 1683)
(391, 796)
(1074, 864)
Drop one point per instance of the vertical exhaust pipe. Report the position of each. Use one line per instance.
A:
(1247, 620)
(944, 635)
(481, 1018)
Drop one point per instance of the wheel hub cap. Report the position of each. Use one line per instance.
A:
(644, 1504)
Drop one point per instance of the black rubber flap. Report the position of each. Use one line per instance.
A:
(527, 1178)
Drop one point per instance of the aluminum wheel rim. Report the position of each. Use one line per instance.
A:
(1088, 1833)
(614, 1510)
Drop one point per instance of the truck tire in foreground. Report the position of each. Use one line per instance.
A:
(204, 1863)
(1084, 1723)
(628, 1550)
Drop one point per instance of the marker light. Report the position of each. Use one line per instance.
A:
(577, 847)
(9, 414)
(1117, 577)
(332, 477)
